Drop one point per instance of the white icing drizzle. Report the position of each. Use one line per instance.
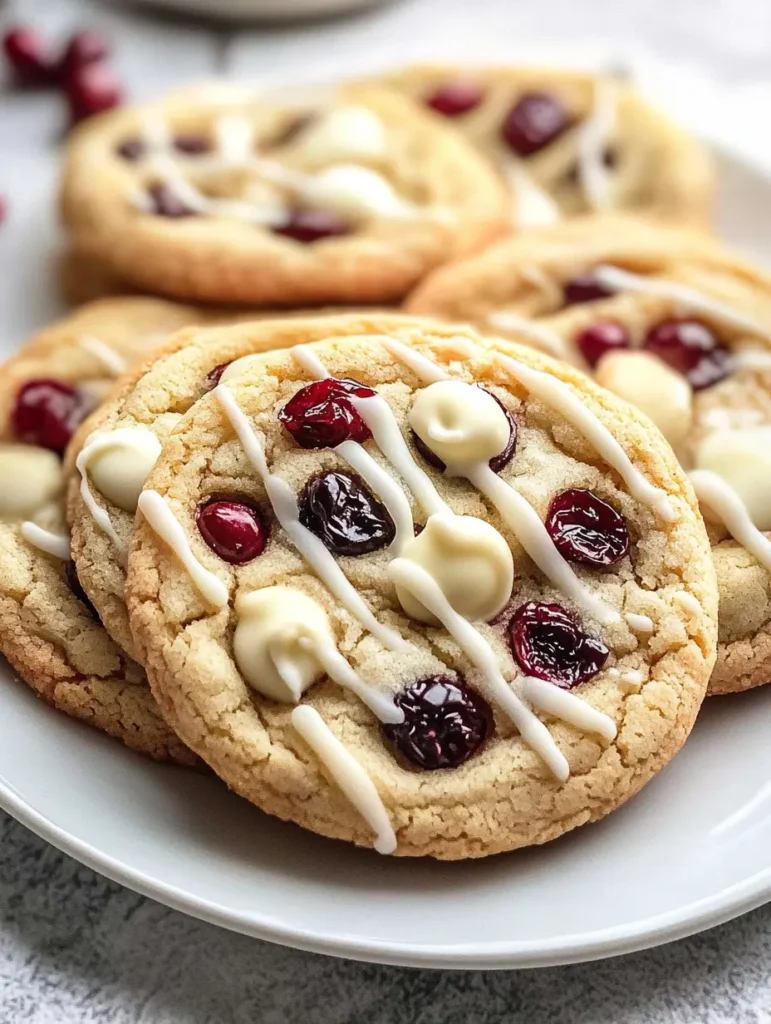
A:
(284, 503)
(687, 602)
(559, 396)
(544, 339)
(756, 359)
(422, 367)
(235, 139)
(594, 175)
(425, 588)
(93, 445)
(689, 298)
(307, 358)
(55, 544)
(343, 673)
(111, 360)
(159, 515)
(723, 500)
(568, 707)
(385, 487)
(534, 207)
(640, 623)
(349, 775)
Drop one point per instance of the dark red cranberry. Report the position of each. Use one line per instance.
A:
(321, 414)
(46, 413)
(597, 339)
(496, 464)
(584, 288)
(345, 515)
(586, 529)
(191, 144)
(131, 149)
(234, 530)
(28, 56)
(92, 89)
(71, 575)
(456, 98)
(445, 723)
(86, 47)
(693, 349)
(308, 226)
(166, 202)
(213, 377)
(535, 120)
(548, 643)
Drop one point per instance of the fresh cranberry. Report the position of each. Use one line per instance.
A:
(213, 377)
(308, 226)
(166, 203)
(535, 120)
(86, 47)
(46, 413)
(548, 643)
(586, 529)
(191, 144)
(131, 149)
(92, 89)
(71, 576)
(445, 723)
(496, 464)
(597, 339)
(456, 98)
(692, 348)
(345, 515)
(28, 56)
(321, 414)
(584, 288)
(234, 530)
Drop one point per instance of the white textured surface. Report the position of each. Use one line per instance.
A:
(74, 947)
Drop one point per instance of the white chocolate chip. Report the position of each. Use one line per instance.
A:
(120, 463)
(29, 478)
(274, 641)
(743, 459)
(355, 192)
(460, 423)
(645, 381)
(344, 134)
(470, 561)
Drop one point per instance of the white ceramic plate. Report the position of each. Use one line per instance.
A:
(689, 852)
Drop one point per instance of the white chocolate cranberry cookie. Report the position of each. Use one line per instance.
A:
(681, 327)
(353, 200)
(420, 594)
(569, 142)
(48, 630)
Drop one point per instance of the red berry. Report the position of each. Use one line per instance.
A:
(213, 377)
(586, 529)
(345, 515)
(83, 48)
(693, 349)
(535, 120)
(456, 98)
(308, 226)
(496, 464)
(548, 643)
(321, 414)
(92, 89)
(598, 339)
(47, 412)
(234, 530)
(28, 56)
(584, 288)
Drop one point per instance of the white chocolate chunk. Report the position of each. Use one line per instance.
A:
(120, 461)
(30, 477)
(645, 381)
(343, 134)
(460, 423)
(471, 563)
(356, 192)
(742, 458)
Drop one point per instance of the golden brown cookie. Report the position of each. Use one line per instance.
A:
(681, 326)
(368, 591)
(570, 142)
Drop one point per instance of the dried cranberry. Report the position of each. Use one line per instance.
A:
(213, 377)
(234, 530)
(445, 723)
(693, 349)
(131, 149)
(47, 412)
(535, 120)
(71, 575)
(345, 515)
(586, 529)
(191, 144)
(86, 47)
(308, 226)
(599, 338)
(28, 57)
(584, 288)
(456, 98)
(92, 89)
(321, 414)
(166, 203)
(496, 464)
(548, 643)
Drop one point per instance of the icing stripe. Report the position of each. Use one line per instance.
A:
(94, 444)
(546, 340)
(114, 363)
(55, 544)
(533, 207)
(640, 623)
(342, 672)
(568, 707)
(158, 514)
(385, 487)
(723, 500)
(349, 775)
(592, 137)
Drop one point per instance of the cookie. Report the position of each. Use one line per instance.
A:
(121, 441)
(681, 326)
(569, 142)
(48, 630)
(417, 614)
(351, 200)
(80, 278)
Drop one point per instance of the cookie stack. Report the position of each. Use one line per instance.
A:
(434, 582)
